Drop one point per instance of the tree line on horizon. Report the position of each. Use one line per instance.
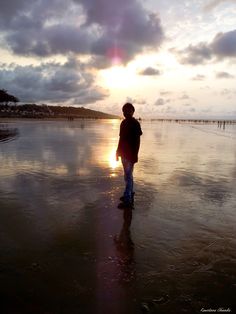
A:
(6, 98)
(43, 110)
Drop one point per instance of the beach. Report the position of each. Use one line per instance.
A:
(67, 248)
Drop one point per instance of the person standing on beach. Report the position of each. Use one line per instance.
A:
(128, 148)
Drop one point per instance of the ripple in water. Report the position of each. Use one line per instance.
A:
(8, 134)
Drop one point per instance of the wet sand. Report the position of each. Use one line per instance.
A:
(66, 248)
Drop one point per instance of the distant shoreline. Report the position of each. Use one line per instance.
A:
(69, 118)
(34, 111)
(204, 121)
(12, 119)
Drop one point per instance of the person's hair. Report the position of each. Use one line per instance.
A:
(128, 106)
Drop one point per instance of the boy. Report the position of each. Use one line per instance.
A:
(128, 147)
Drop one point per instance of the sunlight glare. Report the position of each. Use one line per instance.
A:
(118, 77)
(112, 159)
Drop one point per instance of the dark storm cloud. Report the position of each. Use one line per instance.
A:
(223, 46)
(11, 8)
(53, 82)
(149, 71)
(20, 15)
(95, 27)
(224, 75)
(57, 39)
(127, 20)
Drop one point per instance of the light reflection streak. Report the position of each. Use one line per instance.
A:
(113, 163)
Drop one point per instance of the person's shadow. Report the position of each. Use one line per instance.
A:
(125, 249)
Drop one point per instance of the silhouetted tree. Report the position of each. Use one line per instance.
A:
(6, 98)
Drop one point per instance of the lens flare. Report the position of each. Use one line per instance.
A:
(116, 55)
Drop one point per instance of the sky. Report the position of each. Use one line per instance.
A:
(170, 58)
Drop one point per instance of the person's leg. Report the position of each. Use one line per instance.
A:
(128, 176)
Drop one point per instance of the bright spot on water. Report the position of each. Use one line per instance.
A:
(112, 159)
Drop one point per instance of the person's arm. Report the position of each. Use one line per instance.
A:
(118, 147)
(117, 154)
(138, 133)
(118, 151)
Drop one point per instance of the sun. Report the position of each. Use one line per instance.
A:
(118, 77)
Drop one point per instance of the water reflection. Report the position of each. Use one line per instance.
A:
(205, 187)
(125, 249)
(59, 182)
(60, 149)
(112, 158)
(7, 133)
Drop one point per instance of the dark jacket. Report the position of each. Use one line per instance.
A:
(129, 142)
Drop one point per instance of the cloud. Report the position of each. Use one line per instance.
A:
(161, 102)
(165, 92)
(111, 29)
(222, 46)
(224, 75)
(184, 96)
(226, 91)
(195, 54)
(52, 82)
(199, 77)
(212, 4)
(229, 93)
(206, 88)
(149, 71)
(136, 100)
(9, 9)
(169, 110)
(99, 62)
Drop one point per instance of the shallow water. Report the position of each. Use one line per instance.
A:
(66, 248)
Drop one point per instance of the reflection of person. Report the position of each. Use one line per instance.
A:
(125, 249)
(128, 147)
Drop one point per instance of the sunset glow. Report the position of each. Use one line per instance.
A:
(170, 58)
(112, 159)
(118, 77)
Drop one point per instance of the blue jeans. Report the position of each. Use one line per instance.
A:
(128, 176)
